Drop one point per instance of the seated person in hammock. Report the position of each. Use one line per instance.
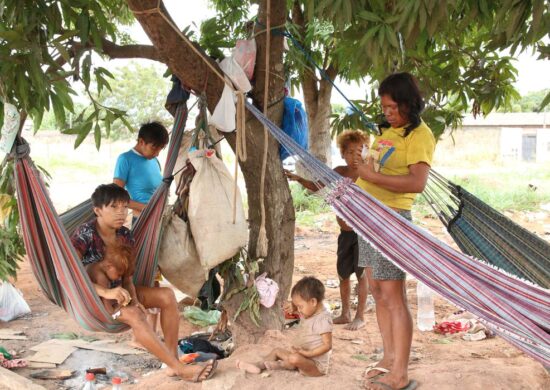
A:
(312, 345)
(110, 203)
(117, 265)
(349, 142)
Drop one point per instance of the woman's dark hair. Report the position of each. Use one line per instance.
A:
(105, 194)
(154, 133)
(308, 288)
(403, 89)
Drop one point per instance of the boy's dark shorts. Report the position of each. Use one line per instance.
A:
(348, 255)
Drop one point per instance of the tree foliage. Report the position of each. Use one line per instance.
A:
(45, 46)
(455, 48)
(531, 102)
(139, 91)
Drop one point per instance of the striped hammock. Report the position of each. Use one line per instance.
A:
(53, 259)
(516, 310)
(482, 232)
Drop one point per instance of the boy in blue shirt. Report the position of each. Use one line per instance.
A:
(138, 170)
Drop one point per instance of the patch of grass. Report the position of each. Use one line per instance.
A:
(60, 163)
(308, 206)
(510, 190)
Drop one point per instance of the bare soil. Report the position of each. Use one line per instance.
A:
(437, 362)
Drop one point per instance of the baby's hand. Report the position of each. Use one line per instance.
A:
(301, 351)
(289, 308)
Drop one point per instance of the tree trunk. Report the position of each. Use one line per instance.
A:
(317, 100)
(192, 70)
(317, 93)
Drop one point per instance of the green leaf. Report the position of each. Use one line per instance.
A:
(83, 26)
(66, 35)
(97, 136)
(84, 131)
(62, 51)
(370, 16)
(58, 109)
(85, 72)
(127, 124)
(544, 103)
(390, 34)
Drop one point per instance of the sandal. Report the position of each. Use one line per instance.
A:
(375, 368)
(205, 365)
(412, 385)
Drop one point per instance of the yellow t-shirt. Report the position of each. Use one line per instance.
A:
(417, 147)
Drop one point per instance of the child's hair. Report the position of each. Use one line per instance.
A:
(308, 288)
(121, 257)
(105, 194)
(154, 133)
(349, 137)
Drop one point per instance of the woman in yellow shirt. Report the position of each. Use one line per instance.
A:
(396, 171)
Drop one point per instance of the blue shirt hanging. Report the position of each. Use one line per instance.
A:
(294, 124)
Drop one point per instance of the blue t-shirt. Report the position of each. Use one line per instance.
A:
(142, 176)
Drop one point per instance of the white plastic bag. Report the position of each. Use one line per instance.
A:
(10, 127)
(210, 211)
(245, 55)
(234, 71)
(223, 116)
(267, 289)
(178, 258)
(12, 304)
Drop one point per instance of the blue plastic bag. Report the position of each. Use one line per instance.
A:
(294, 124)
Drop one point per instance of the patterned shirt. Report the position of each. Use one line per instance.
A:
(89, 243)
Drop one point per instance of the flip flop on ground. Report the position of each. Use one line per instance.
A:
(381, 371)
(410, 386)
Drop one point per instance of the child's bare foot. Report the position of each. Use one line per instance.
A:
(356, 324)
(248, 367)
(278, 365)
(342, 319)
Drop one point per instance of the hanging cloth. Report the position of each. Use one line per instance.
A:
(294, 124)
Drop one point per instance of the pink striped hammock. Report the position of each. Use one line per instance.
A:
(53, 259)
(517, 310)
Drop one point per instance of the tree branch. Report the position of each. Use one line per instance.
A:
(115, 51)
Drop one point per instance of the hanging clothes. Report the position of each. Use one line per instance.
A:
(294, 125)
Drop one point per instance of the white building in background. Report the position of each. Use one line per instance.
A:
(524, 136)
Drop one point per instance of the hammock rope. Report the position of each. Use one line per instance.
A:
(518, 311)
(54, 261)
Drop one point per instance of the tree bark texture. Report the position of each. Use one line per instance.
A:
(193, 72)
(317, 92)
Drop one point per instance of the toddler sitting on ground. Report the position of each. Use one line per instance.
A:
(312, 345)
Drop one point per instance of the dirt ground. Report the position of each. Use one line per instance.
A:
(437, 362)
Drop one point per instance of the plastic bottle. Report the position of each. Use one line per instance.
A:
(89, 383)
(425, 316)
(116, 381)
